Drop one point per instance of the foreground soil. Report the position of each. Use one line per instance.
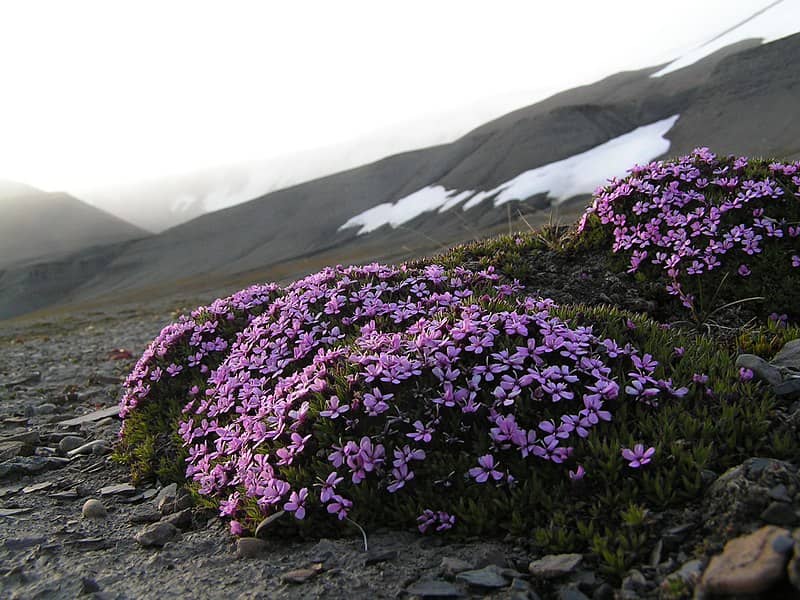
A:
(59, 385)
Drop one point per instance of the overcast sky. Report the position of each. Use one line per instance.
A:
(98, 93)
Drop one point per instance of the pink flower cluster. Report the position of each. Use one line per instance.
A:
(194, 344)
(699, 214)
(365, 370)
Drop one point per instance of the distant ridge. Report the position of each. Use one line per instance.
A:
(37, 225)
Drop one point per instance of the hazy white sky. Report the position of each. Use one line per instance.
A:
(94, 93)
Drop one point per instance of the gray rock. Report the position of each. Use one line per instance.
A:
(779, 493)
(24, 543)
(157, 534)
(33, 377)
(70, 442)
(555, 565)
(779, 513)
(604, 592)
(94, 509)
(181, 520)
(298, 576)
(165, 499)
(760, 368)
(117, 488)
(250, 547)
(70, 494)
(789, 388)
(264, 525)
(30, 465)
(788, 357)
(144, 514)
(98, 447)
(488, 577)
(783, 544)
(741, 495)
(324, 551)
(450, 566)
(111, 411)
(46, 408)
(30, 438)
(10, 450)
(434, 588)
(89, 585)
(570, 592)
(634, 581)
(37, 487)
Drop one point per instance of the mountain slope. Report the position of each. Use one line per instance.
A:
(449, 193)
(38, 225)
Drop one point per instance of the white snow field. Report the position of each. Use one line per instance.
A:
(777, 20)
(560, 180)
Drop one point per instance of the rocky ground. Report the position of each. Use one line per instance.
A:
(72, 525)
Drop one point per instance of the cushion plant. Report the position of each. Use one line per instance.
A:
(448, 400)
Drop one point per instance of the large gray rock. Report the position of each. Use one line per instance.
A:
(741, 495)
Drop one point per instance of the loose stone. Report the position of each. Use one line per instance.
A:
(94, 509)
(570, 592)
(10, 450)
(250, 547)
(96, 447)
(70, 442)
(157, 534)
(748, 564)
(779, 513)
(181, 519)
(488, 577)
(450, 567)
(301, 575)
(555, 565)
(117, 488)
(144, 514)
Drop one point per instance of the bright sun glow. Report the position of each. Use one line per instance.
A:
(97, 93)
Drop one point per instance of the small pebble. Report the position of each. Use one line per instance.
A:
(70, 442)
(249, 547)
(157, 534)
(94, 509)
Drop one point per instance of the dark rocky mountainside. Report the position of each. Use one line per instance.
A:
(38, 225)
(738, 100)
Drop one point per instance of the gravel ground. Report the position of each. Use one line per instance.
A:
(59, 386)
(52, 371)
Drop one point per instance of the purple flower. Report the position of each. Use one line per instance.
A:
(236, 528)
(422, 432)
(678, 351)
(745, 374)
(744, 270)
(297, 503)
(487, 469)
(339, 506)
(638, 456)
(329, 487)
(334, 409)
(577, 474)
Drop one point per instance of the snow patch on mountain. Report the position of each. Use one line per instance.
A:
(778, 20)
(560, 180)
